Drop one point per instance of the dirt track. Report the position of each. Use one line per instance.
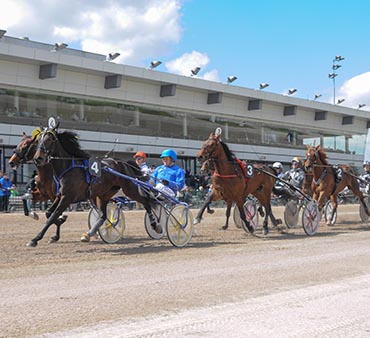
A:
(223, 284)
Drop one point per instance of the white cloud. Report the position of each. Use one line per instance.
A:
(356, 91)
(188, 61)
(138, 29)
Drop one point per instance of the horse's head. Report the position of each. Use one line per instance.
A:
(210, 147)
(25, 150)
(45, 147)
(312, 157)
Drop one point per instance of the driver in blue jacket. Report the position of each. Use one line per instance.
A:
(169, 178)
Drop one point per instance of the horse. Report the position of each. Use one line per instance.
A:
(46, 185)
(69, 164)
(329, 182)
(230, 183)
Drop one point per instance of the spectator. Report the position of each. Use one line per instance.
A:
(6, 187)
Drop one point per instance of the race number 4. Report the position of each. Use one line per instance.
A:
(94, 167)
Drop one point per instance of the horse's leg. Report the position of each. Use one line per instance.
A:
(62, 206)
(153, 222)
(52, 207)
(228, 212)
(209, 210)
(95, 227)
(334, 203)
(357, 192)
(240, 205)
(206, 203)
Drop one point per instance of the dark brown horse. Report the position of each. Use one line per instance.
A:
(230, 183)
(69, 165)
(328, 181)
(23, 153)
(46, 184)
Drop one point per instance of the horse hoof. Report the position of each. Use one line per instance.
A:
(196, 221)
(157, 228)
(266, 231)
(224, 227)
(34, 216)
(32, 244)
(210, 211)
(53, 240)
(85, 238)
(260, 210)
(279, 221)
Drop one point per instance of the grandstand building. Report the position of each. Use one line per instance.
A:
(123, 108)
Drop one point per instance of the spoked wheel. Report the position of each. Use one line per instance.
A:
(160, 217)
(328, 209)
(180, 225)
(251, 214)
(364, 217)
(291, 214)
(236, 217)
(112, 229)
(310, 218)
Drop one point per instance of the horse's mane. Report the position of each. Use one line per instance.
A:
(322, 155)
(70, 143)
(229, 154)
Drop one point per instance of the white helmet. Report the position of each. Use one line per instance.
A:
(277, 165)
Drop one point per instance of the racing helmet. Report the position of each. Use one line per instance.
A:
(277, 165)
(169, 153)
(296, 159)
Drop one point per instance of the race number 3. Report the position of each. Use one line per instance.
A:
(94, 167)
(249, 170)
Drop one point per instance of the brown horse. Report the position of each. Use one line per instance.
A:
(70, 165)
(329, 182)
(46, 184)
(230, 183)
(23, 153)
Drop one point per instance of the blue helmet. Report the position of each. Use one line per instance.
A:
(170, 153)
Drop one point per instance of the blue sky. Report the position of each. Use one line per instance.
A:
(288, 44)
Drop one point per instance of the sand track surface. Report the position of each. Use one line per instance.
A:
(222, 284)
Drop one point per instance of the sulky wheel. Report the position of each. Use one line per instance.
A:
(291, 214)
(311, 218)
(364, 217)
(160, 216)
(112, 229)
(328, 209)
(251, 214)
(180, 225)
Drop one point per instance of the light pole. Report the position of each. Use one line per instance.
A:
(334, 73)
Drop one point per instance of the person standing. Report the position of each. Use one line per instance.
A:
(6, 187)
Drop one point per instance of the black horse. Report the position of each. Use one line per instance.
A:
(69, 165)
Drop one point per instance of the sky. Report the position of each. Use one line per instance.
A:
(285, 43)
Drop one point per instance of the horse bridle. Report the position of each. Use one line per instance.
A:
(42, 147)
(312, 159)
(23, 155)
(208, 153)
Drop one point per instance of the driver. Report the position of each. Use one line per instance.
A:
(169, 178)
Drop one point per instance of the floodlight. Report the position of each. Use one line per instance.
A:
(332, 75)
(59, 46)
(291, 91)
(335, 66)
(195, 71)
(339, 58)
(361, 105)
(2, 33)
(340, 101)
(317, 96)
(155, 64)
(231, 78)
(112, 56)
(263, 85)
